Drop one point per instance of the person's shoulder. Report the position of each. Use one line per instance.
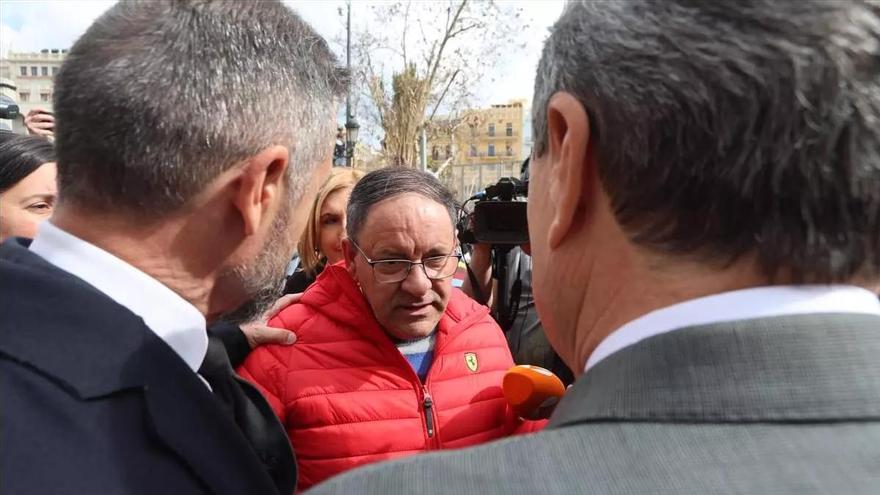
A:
(462, 307)
(69, 331)
(20, 267)
(524, 464)
(294, 317)
(58, 434)
(330, 307)
(618, 456)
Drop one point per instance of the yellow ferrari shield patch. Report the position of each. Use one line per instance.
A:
(470, 359)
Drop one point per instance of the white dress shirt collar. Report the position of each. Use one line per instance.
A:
(758, 302)
(172, 318)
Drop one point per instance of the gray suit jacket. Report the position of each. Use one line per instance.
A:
(775, 405)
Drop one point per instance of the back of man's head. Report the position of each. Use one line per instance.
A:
(159, 97)
(724, 129)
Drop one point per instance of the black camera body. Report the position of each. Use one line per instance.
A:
(8, 109)
(499, 215)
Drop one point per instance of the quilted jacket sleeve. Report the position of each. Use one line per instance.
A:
(266, 371)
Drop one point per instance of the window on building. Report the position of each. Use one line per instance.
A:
(491, 129)
(473, 150)
(24, 96)
(54, 70)
(44, 96)
(23, 71)
(34, 71)
(491, 150)
(448, 150)
(45, 71)
(510, 129)
(509, 150)
(473, 131)
(435, 153)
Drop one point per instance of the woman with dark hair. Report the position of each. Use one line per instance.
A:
(27, 184)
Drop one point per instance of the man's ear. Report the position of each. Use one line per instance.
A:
(568, 133)
(350, 253)
(261, 186)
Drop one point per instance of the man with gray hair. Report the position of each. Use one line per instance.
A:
(191, 137)
(705, 225)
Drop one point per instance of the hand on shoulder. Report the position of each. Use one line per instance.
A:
(260, 333)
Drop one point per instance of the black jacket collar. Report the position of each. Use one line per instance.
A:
(66, 328)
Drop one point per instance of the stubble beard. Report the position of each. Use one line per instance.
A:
(263, 280)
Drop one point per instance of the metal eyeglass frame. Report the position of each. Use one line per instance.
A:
(373, 264)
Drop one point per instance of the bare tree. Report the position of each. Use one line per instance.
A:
(422, 61)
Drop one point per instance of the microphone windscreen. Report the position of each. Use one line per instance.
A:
(527, 387)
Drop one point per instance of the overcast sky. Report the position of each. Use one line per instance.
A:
(30, 25)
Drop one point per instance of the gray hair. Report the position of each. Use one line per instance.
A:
(727, 128)
(390, 182)
(159, 97)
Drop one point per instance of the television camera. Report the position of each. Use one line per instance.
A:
(498, 218)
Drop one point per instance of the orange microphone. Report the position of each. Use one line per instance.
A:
(528, 387)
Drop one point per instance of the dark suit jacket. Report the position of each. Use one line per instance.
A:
(776, 405)
(92, 401)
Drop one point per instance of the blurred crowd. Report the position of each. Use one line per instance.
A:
(195, 304)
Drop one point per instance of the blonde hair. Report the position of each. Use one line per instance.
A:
(309, 251)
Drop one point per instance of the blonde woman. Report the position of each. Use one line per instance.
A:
(321, 242)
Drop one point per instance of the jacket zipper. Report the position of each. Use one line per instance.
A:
(428, 404)
(427, 400)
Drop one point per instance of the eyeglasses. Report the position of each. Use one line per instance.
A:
(393, 271)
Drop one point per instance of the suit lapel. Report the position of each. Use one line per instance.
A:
(188, 419)
(782, 369)
(252, 414)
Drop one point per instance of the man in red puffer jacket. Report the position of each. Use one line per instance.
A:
(390, 359)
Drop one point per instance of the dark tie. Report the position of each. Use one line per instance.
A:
(252, 414)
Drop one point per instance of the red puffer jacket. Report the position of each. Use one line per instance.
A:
(348, 397)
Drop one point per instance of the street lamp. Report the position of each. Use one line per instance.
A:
(351, 123)
(351, 137)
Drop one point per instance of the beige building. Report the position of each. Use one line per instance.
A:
(485, 135)
(32, 75)
(480, 146)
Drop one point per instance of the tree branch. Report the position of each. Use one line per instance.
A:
(377, 90)
(455, 33)
(405, 28)
(442, 167)
(449, 27)
(443, 94)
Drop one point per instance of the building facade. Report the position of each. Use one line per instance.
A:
(32, 75)
(480, 146)
(485, 135)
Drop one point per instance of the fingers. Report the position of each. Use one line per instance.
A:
(40, 122)
(40, 118)
(41, 126)
(258, 335)
(282, 303)
(40, 132)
